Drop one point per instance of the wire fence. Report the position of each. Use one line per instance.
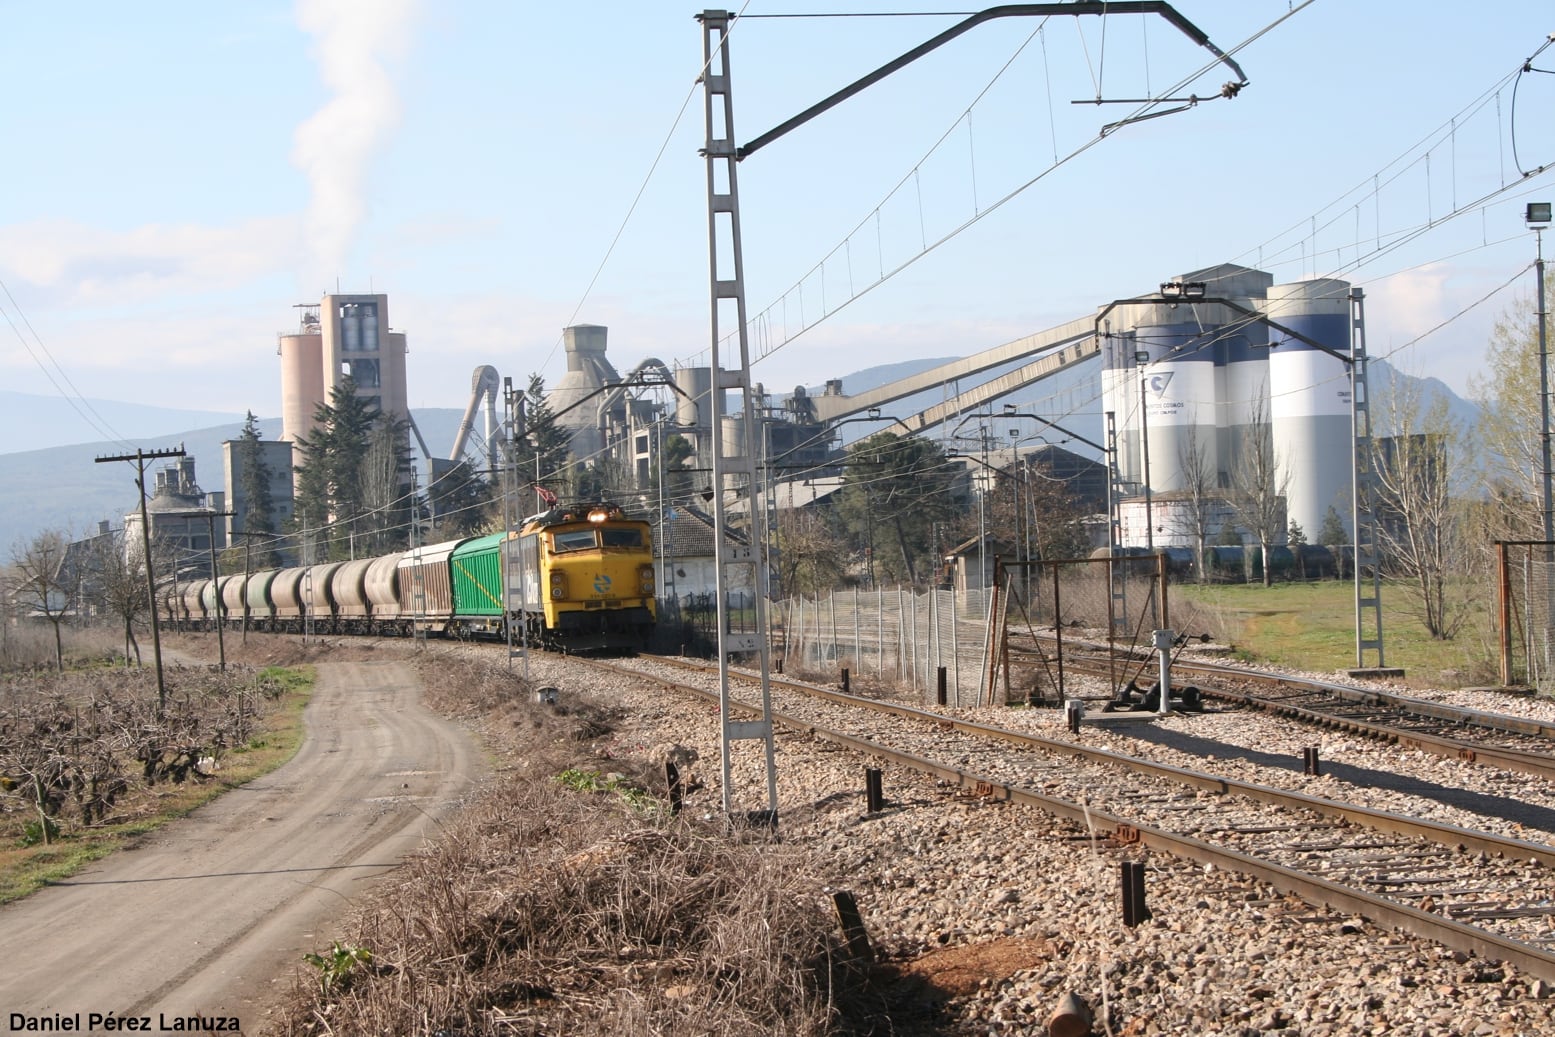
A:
(998, 644)
(1527, 614)
(899, 635)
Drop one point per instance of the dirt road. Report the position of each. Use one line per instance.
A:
(205, 917)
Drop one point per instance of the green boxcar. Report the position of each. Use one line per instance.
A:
(477, 577)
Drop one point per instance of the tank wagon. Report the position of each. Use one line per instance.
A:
(581, 578)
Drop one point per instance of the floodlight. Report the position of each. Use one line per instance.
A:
(1538, 212)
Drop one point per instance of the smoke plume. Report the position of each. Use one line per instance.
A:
(353, 42)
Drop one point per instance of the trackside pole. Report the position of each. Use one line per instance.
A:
(734, 462)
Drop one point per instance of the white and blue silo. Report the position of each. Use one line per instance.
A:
(1173, 386)
(1309, 397)
(1117, 380)
(1241, 344)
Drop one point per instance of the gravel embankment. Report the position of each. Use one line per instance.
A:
(1002, 910)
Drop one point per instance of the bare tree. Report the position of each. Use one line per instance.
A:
(384, 481)
(43, 586)
(1199, 493)
(1421, 526)
(812, 554)
(1259, 484)
(121, 580)
(1511, 462)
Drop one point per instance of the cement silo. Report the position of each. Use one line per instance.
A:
(1174, 389)
(1120, 395)
(575, 399)
(693, 402)
(1241, 356)
(302, 376)
(1309, 398)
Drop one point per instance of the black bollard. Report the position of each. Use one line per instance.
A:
(672, 779)
(1133, 888)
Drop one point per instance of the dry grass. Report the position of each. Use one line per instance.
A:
(577, 908)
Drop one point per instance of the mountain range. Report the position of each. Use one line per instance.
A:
(56, 481)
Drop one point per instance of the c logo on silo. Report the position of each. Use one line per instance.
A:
(1159, 382)
(602, 584)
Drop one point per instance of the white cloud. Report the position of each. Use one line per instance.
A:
(72, 263)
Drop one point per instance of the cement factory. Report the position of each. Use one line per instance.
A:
(1188, 375)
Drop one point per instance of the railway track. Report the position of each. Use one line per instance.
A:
(1471, 891)
(1472, 736)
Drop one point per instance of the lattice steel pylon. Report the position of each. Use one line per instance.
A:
(1363, 497)
(735, 472)
(517, 606)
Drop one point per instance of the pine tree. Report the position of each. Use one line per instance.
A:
(332, 468)
(540, 455)
(895, 490)
(259, 506)
(1332, 534)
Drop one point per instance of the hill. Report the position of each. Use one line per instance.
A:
(64, 488)
(31, 423)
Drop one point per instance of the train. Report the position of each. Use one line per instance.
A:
(581, 577)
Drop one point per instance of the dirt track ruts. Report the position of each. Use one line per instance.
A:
(207, 915)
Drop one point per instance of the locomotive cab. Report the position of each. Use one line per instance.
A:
(587, 576)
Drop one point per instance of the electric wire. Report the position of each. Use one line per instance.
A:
(1140, 112)
(72, 395)
(641, 190)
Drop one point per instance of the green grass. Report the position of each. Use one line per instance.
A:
(1311, 626)
(24, 869)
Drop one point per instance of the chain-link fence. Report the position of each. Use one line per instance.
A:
(1527, 614)
(999, 644)
(898, 635)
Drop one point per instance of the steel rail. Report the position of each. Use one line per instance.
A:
(1380, 820)
(1456, 935)
(1536, 764)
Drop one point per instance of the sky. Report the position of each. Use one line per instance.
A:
(179, 176)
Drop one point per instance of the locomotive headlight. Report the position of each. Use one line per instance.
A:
(558, 586)
(599, 515)
(645, 580)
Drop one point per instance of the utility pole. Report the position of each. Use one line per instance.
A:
(248, 570)
(1537, 216)
(140, 457)
(216, 590)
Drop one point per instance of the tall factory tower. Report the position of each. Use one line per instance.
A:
(344, 335)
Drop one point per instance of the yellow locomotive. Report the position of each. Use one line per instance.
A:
(585, 576)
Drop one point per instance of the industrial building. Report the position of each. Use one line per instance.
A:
(1192, 385)
(1190, 376)
(275, 455)
(1193, 378)
(181, 519)
(341, 336)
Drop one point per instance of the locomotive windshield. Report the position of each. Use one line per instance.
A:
(622, 537)
(573, 540)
